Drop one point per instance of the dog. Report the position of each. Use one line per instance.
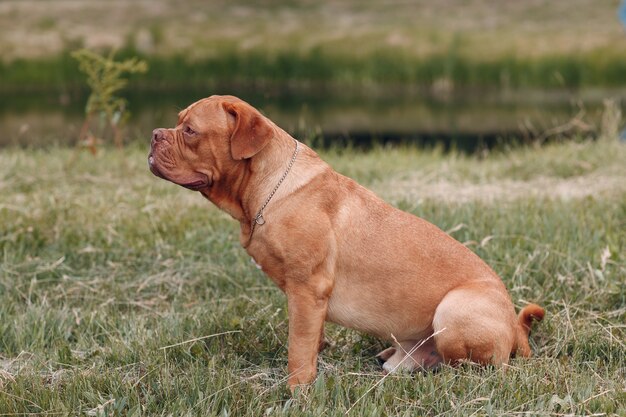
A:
(337, 251)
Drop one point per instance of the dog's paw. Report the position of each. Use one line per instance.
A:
(324, 343)
(385, 354)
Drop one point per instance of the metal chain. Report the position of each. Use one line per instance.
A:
(258, 219)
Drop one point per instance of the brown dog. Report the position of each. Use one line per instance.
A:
(338, 251)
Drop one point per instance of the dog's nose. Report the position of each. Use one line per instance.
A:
(158, 134)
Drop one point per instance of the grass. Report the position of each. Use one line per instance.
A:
(325, 67)
(192, 44)
(124, 295)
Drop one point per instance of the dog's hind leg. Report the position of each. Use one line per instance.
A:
(476, 323)
(410, 355)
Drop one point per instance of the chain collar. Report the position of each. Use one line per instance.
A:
(258, 219)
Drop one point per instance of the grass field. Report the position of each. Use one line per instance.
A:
(124, 295)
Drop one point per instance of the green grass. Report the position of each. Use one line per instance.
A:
(104, 266)
(380, 69)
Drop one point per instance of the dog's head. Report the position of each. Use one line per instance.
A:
(210, 140)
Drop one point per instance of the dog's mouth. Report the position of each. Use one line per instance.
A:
(196, 185)
(154, 169)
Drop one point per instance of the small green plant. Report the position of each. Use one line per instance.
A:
(105, 77)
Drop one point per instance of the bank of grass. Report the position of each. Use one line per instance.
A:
(382, 69)
(461, 43)
(121, 294)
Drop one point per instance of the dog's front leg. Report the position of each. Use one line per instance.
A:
(307, 312)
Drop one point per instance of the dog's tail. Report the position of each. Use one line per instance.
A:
(530, 313)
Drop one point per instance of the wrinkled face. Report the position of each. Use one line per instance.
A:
(211, 137)
(189, 154)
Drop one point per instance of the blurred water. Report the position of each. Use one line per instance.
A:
(467, 119)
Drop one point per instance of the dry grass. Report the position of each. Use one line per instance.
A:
(575, 173)
(577, 170)
(504, 191)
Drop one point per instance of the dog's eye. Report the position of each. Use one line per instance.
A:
(189, 131)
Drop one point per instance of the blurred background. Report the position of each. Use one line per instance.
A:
(463, 73)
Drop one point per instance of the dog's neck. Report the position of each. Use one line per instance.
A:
(254, 179)
(270, 180)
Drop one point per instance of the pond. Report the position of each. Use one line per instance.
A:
(465, 120)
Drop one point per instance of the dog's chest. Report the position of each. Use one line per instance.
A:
(263, 261)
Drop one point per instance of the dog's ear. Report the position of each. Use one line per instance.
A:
(251, 133)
